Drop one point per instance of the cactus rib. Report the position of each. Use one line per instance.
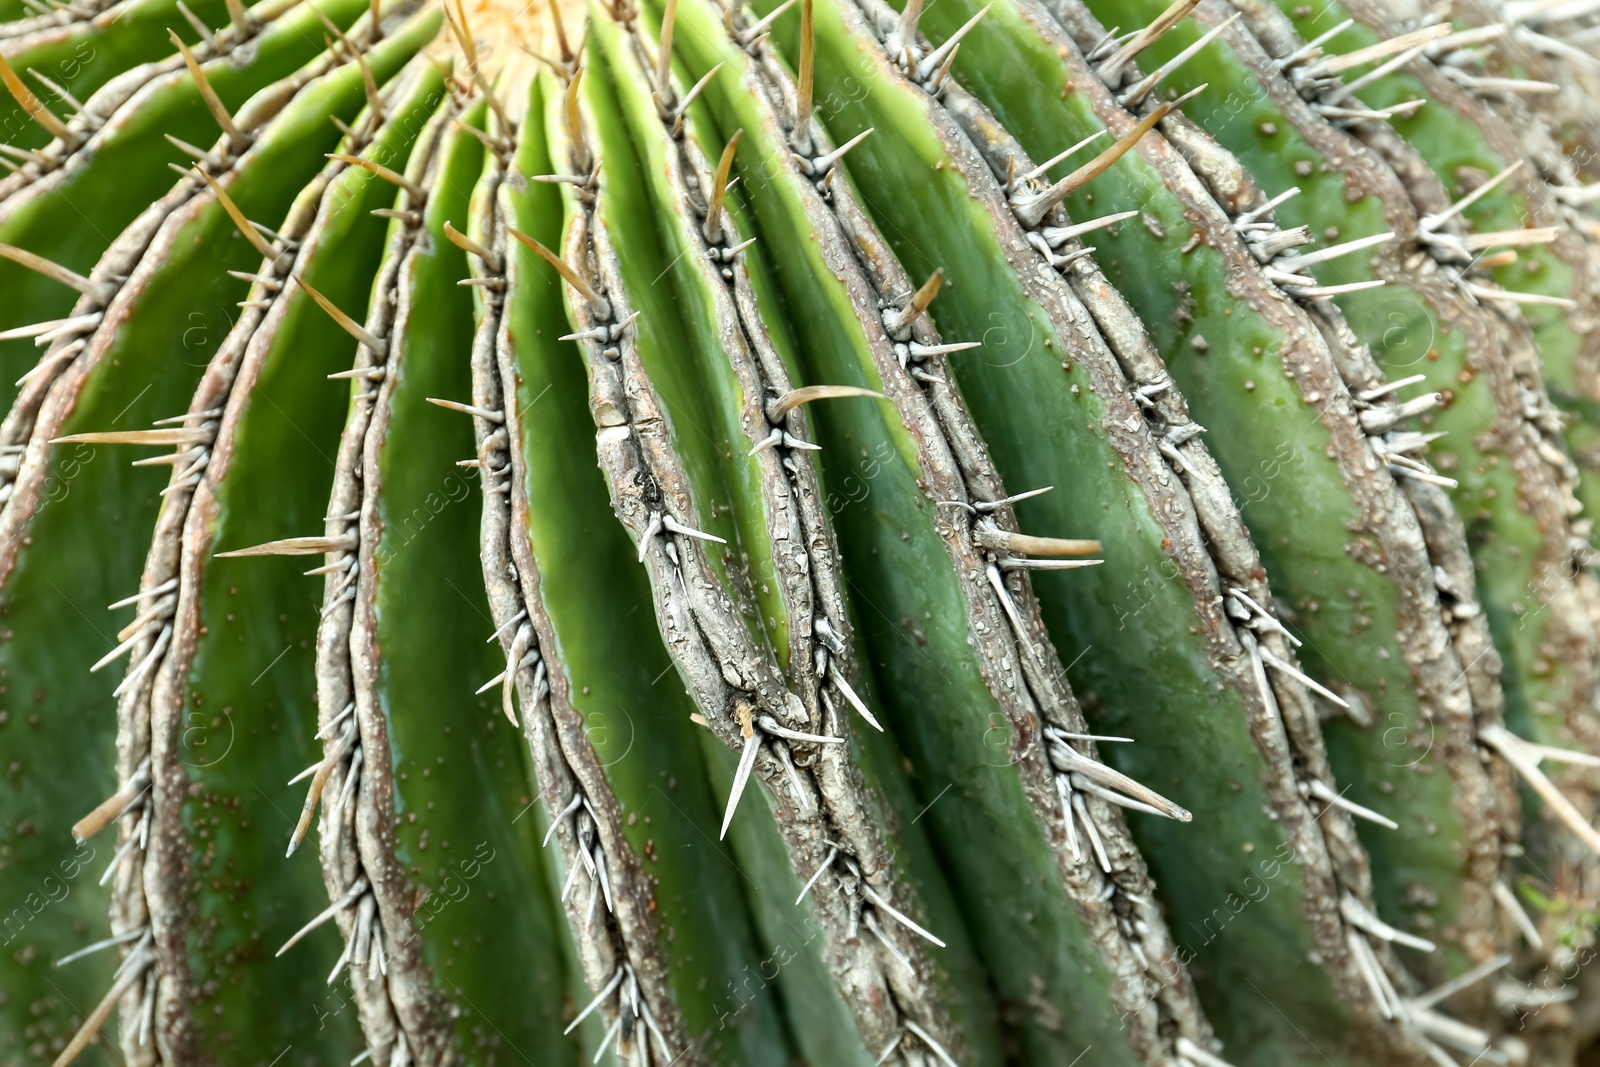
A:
(620, 955)
(102, 182)
(91, 117)
(985, 130)
(81, 56)
(1477, 801)
(753, 705)
(69, 352)
(403, 1011)
(1213, 164)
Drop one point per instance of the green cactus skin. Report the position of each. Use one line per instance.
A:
(942, 719)
(778, 194)
(71, 214)
(1458, 134)
(1450, 136)
(962, 983)
(1440, 826)
(1321, 578)
(703, 395)
(610, 922)
(57, 715)
(618, 950)
(946, 720)
(664, 778)
(1548, 687)
(682, 367)
(817, 1015)
(83, 56)
(649, 760)
(889, 973)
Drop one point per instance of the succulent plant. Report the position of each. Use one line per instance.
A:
(807, 531)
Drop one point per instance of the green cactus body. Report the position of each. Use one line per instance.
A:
(71, 214)
(58, 715)
(796, 306)
(945, 719)
(612, 931)
(1464, 141)
(1533, 596)
(790, 506)
(1540, 688)
(99, 398)
(962, 981)
(1338, 594)
(83, 56)
(702, 395)
(776, 754)
(791, 939)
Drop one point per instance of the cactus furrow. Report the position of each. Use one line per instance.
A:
(250, 435)
(408, 760)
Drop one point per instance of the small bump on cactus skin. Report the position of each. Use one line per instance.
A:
(849, 297)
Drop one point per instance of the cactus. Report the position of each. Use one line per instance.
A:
(808, 531)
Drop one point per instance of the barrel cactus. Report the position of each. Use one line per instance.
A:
(1050, 532)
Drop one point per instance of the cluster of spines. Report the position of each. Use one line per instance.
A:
(1035, 204)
